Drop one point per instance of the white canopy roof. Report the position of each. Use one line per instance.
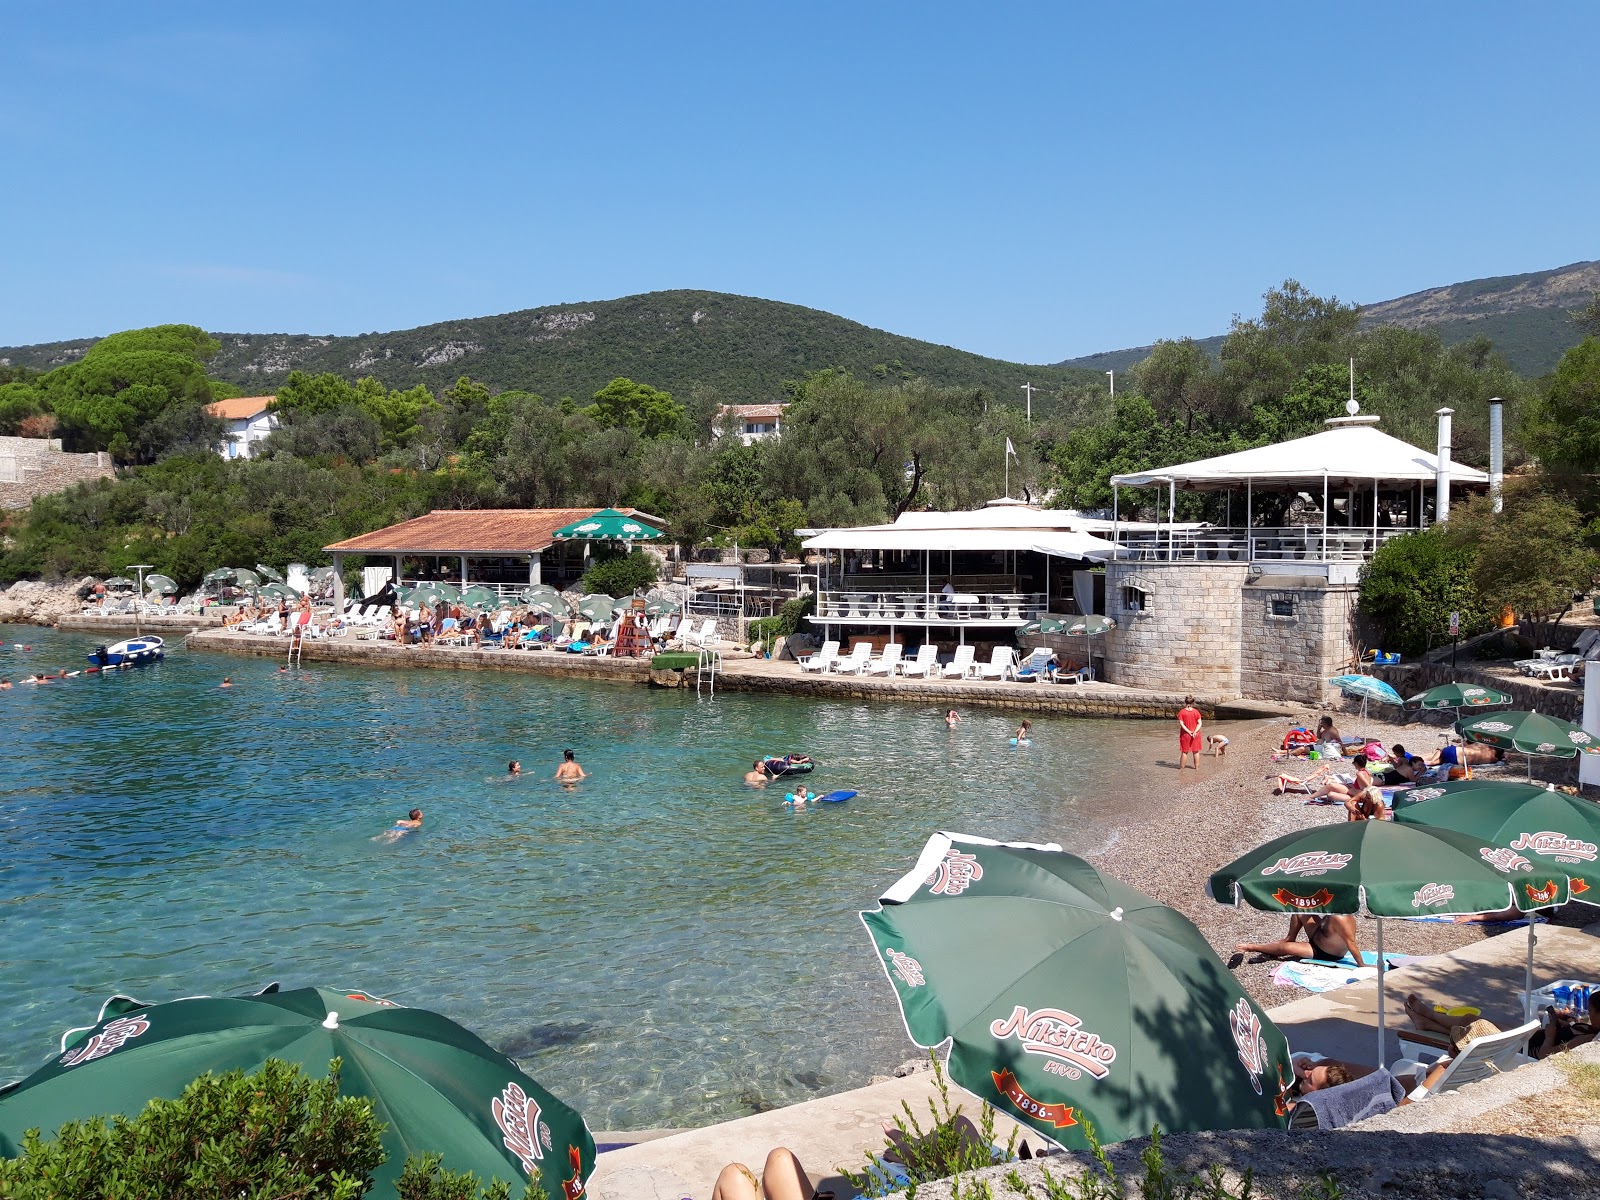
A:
(1345, 453)
(1068, 543)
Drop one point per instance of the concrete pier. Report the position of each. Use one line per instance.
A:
(750, 674)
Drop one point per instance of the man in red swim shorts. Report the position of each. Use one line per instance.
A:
(1189, 734)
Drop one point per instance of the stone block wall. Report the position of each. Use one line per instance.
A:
(1296, 635)
(1185, 635)
(32, 467)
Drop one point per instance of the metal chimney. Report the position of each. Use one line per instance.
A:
(1497, 450)
(1441, 502)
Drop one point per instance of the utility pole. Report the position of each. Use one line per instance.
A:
(1112, 375)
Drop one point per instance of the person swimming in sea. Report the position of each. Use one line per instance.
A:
(952, 718)
(513, 769)
(408, 824)
(757, 775)
(1023, 731)
(799, 798)
(569, 771)
(227, 681)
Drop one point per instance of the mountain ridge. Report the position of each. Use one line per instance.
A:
(1527, 317)
(745, 347)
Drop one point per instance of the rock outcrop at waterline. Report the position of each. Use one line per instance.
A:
(31, 602)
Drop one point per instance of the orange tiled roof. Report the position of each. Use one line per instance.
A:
(241, 408)
(475, 531)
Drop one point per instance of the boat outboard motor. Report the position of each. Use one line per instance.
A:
(102, 655)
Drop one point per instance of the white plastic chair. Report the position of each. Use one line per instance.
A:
(960, 667)
(860, 654)
(925, 663)
(886, 662)
(821, 659)
(1483, 1057)
(1002, 664)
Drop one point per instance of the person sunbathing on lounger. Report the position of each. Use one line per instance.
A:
(782, 1178)
(1337, 791)
(1329, 937)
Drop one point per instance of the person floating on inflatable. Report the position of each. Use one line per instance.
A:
(1022, 738)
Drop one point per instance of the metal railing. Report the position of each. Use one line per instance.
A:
(855, 604)
(1306, 543)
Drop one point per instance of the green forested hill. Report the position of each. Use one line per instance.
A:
(1527, 317)
(744, 347)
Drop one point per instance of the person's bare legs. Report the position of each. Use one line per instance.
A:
(1425, 1019)
(736, 1182)
(783, 1178)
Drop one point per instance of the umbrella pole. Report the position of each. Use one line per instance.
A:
(1527, 978)
(1382, 1036)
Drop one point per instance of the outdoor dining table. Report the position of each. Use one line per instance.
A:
(964, 604)
(911, 602)
(1012, 605)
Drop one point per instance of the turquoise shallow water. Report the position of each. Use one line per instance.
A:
(659, 945)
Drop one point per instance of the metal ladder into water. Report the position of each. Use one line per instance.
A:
(705, 671)
(296, 640)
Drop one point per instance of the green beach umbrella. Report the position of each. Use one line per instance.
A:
(279, 591)
(1068, 996)
(548, 605)
(480, 597)
(1555, 831)
(1458, 696)
(529, 594)
(436, 589)
(221, 575)
(597, 607)
(244, 576)
(1044, 625)
(118, 583)
(1385, 869)
(269, 574)
(164, 584)
(608, 525)
(1530, 732)
(436, 1086)
(661, 606)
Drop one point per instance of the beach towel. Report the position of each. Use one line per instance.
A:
(1323, 977)
(1369, 1096)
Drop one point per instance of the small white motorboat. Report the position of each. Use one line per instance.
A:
(130, 653)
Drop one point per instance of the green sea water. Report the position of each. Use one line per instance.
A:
(660, 945)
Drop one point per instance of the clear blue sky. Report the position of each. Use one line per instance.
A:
(1030, 181)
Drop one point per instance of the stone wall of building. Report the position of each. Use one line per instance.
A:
(1178, 626)
(32, 467)
(1296, 635)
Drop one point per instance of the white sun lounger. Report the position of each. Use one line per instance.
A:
(886, 662)
(959, 667)
(860, 654)
(925, 663)
(820, 660)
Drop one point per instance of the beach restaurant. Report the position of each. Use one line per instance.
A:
(945, 575)
(1264, 604)
(504, 549)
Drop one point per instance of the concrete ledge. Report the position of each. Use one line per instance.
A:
(124, 626)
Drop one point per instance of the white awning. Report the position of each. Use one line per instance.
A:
(1063, 542)
(1344, 454)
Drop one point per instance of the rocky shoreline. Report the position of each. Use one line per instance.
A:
(32, 602)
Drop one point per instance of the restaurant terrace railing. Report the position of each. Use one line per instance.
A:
(858, 605)
(1305, 543)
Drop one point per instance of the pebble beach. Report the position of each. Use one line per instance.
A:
(1229, 808)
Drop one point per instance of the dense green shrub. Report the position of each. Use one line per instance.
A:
(1414, 583)
(622, 576)
(273, 1133)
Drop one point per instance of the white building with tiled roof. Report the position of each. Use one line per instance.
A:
(751, 422)
(250, 420)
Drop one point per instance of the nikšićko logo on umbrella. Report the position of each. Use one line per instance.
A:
(1246, 1027)
(1314, 862)
(906, 969)
(1432, 893)
(526, 1136)
(1059, 1036)
(1556, 845)
(112, 1037)
(955, 874)
(1504, 859)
